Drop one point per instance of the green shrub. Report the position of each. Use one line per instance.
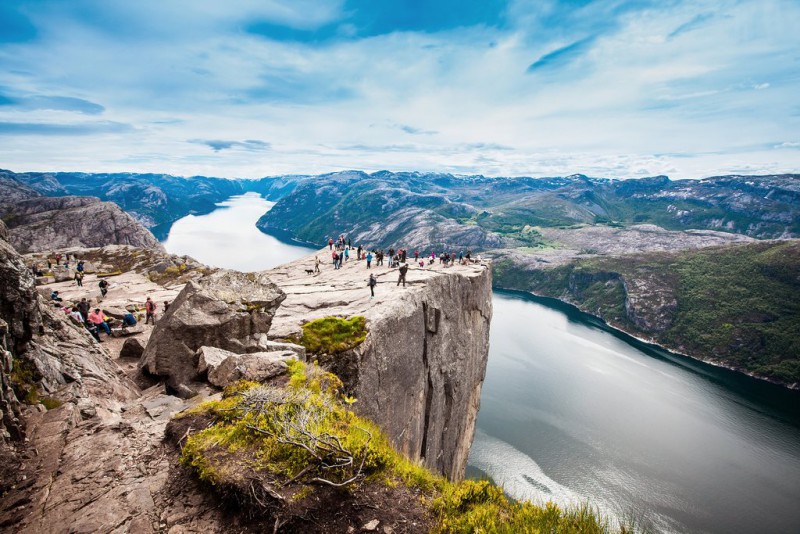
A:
(332, 335)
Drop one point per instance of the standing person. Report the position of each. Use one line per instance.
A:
(83, 307)
(150, 310)
(316, 264)
(372, 282)
(80, 266)
(416, 256)
(330, 244)
(97, 319)
(403, 271)
(346, 254)
(369, 259)
(166, 306)
(103, 287)
(79, 278)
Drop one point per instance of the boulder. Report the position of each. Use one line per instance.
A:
(44, 280)
(209, 358)
(132, 348)
(226, 309)
(63, 274)
(257, 366)
(269, 346)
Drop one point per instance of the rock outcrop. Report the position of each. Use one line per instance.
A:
(227, 309)
(47, 223)
(420, 370)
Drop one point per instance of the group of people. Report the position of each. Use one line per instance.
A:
(340, 252)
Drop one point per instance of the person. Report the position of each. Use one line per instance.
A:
(346, 254)
(316, 264)
(150, 310)
(54, 296)
(103, 287)
(416, 255)
(79, 278)
(83, 307)
(166, 306)
(75, 316)
(369, 259)
(403, 271)
(97, 318)
(330, 244)
(372, 283)
(93, 330)
(80, 266)
(128, 320)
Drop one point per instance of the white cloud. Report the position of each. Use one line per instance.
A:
(634, 102)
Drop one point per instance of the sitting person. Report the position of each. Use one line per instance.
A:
(97, 318)
(54, 296)
(75, 316)
(128, 320)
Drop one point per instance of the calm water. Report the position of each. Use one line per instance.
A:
(228, 237)
(572, 412)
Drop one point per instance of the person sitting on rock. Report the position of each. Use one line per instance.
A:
(75, 316)
(54, 296)
(97, 318)
(128, 320)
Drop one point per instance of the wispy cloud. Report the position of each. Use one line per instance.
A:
(562, 55)
(217, 145)
(62, 103)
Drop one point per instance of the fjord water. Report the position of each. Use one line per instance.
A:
(228, 237)
(572, 412)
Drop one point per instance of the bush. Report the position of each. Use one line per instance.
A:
(332, 335)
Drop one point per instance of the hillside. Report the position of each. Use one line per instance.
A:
(44, 223)
(736, 306)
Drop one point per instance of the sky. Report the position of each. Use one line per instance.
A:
(251, 88)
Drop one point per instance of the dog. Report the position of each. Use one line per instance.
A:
(309, 271)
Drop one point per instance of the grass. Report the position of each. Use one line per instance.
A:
(333, 335)
(244, 444)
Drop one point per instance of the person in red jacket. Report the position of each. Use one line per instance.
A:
(150, 311)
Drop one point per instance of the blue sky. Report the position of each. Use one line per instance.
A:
(262, 87)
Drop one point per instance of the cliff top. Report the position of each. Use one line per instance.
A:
(344, 292)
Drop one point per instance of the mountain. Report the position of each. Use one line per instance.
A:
(45, 223)
(446, 211)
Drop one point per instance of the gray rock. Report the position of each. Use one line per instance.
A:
(226, 309)
(63, 274)
(132, 348)
(209, 358)
(257, 366)
(268, 346)
(48, 223)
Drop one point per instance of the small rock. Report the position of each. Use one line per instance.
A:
(371, 526)
(132, 348)
(258, 366)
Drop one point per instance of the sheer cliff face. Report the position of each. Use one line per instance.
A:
(47, 223)
(422, 366)
(420, 371)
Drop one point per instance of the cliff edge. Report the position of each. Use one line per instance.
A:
(419, 372)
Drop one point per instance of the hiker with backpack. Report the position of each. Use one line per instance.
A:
(150, 311)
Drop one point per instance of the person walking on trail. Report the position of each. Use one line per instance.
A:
(150, 310)
(79, 278)
(369, 259)
(103, 287)
(346, 254)
(372, 283)
(316, 264)
(403, 271)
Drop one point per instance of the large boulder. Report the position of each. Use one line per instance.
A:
(132, 348)
(209, 358)
(258, 367)
(227, 309)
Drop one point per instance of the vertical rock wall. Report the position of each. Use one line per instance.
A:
(420, 370)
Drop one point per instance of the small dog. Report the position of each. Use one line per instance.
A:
(309, 271)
